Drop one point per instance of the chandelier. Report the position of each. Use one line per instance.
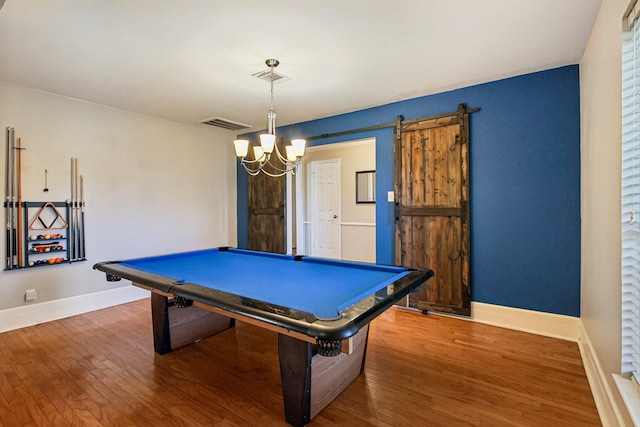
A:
(263, 159)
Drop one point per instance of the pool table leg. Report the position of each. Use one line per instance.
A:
(175, 327)
(295, 371)
(309, 381)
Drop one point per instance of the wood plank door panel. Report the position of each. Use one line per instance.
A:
(432, 209)
(424, 233)
(266, 203)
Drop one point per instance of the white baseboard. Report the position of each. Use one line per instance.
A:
(602, 395)
(33, 314)
(536, 322)
(630, 397)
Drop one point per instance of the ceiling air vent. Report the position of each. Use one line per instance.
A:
(224, 123)
(266, 75)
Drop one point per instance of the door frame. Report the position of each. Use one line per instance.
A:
(295, 236)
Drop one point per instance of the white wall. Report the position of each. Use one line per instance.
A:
(152, 186)
(600, 75)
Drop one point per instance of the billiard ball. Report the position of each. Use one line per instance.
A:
(33, 237)
(31, 263)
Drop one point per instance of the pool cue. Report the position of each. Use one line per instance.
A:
(14, 206)
(7, 206)
(19, 209)
(13, 198)
(76, 210)
(7, 197)
(70, 220)
(82, 254)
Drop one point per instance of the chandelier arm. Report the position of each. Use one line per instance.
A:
(256, 171)
(282, 159)
(289, 166)
(274, 175)
(252, 172)
(281, 172)
(249, 162)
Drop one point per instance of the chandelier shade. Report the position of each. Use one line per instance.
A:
(263, 159)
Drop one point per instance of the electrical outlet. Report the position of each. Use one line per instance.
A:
(30, 295)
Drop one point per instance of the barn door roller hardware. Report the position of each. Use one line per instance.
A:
(399, 122)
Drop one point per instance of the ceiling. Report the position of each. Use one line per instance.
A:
(193, 59)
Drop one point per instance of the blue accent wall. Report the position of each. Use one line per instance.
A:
(525, 184)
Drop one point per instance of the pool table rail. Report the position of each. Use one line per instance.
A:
(348, 323)
(153, 281)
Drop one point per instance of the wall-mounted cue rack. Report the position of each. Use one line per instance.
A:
(41, 233)
(50, 237)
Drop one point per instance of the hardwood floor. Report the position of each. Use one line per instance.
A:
(99, 369)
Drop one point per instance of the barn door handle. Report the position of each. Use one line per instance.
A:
(281, 210)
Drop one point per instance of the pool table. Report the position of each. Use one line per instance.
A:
(321, 309)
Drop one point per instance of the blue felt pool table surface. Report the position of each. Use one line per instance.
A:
(314, 285)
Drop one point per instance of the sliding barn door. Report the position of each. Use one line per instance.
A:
(267, 226)
(432, 208)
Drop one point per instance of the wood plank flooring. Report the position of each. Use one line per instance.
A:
(99, 369)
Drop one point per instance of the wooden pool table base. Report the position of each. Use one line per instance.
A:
(175, 327)
(309, 381)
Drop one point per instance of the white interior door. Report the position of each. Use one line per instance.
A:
(325, 208)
